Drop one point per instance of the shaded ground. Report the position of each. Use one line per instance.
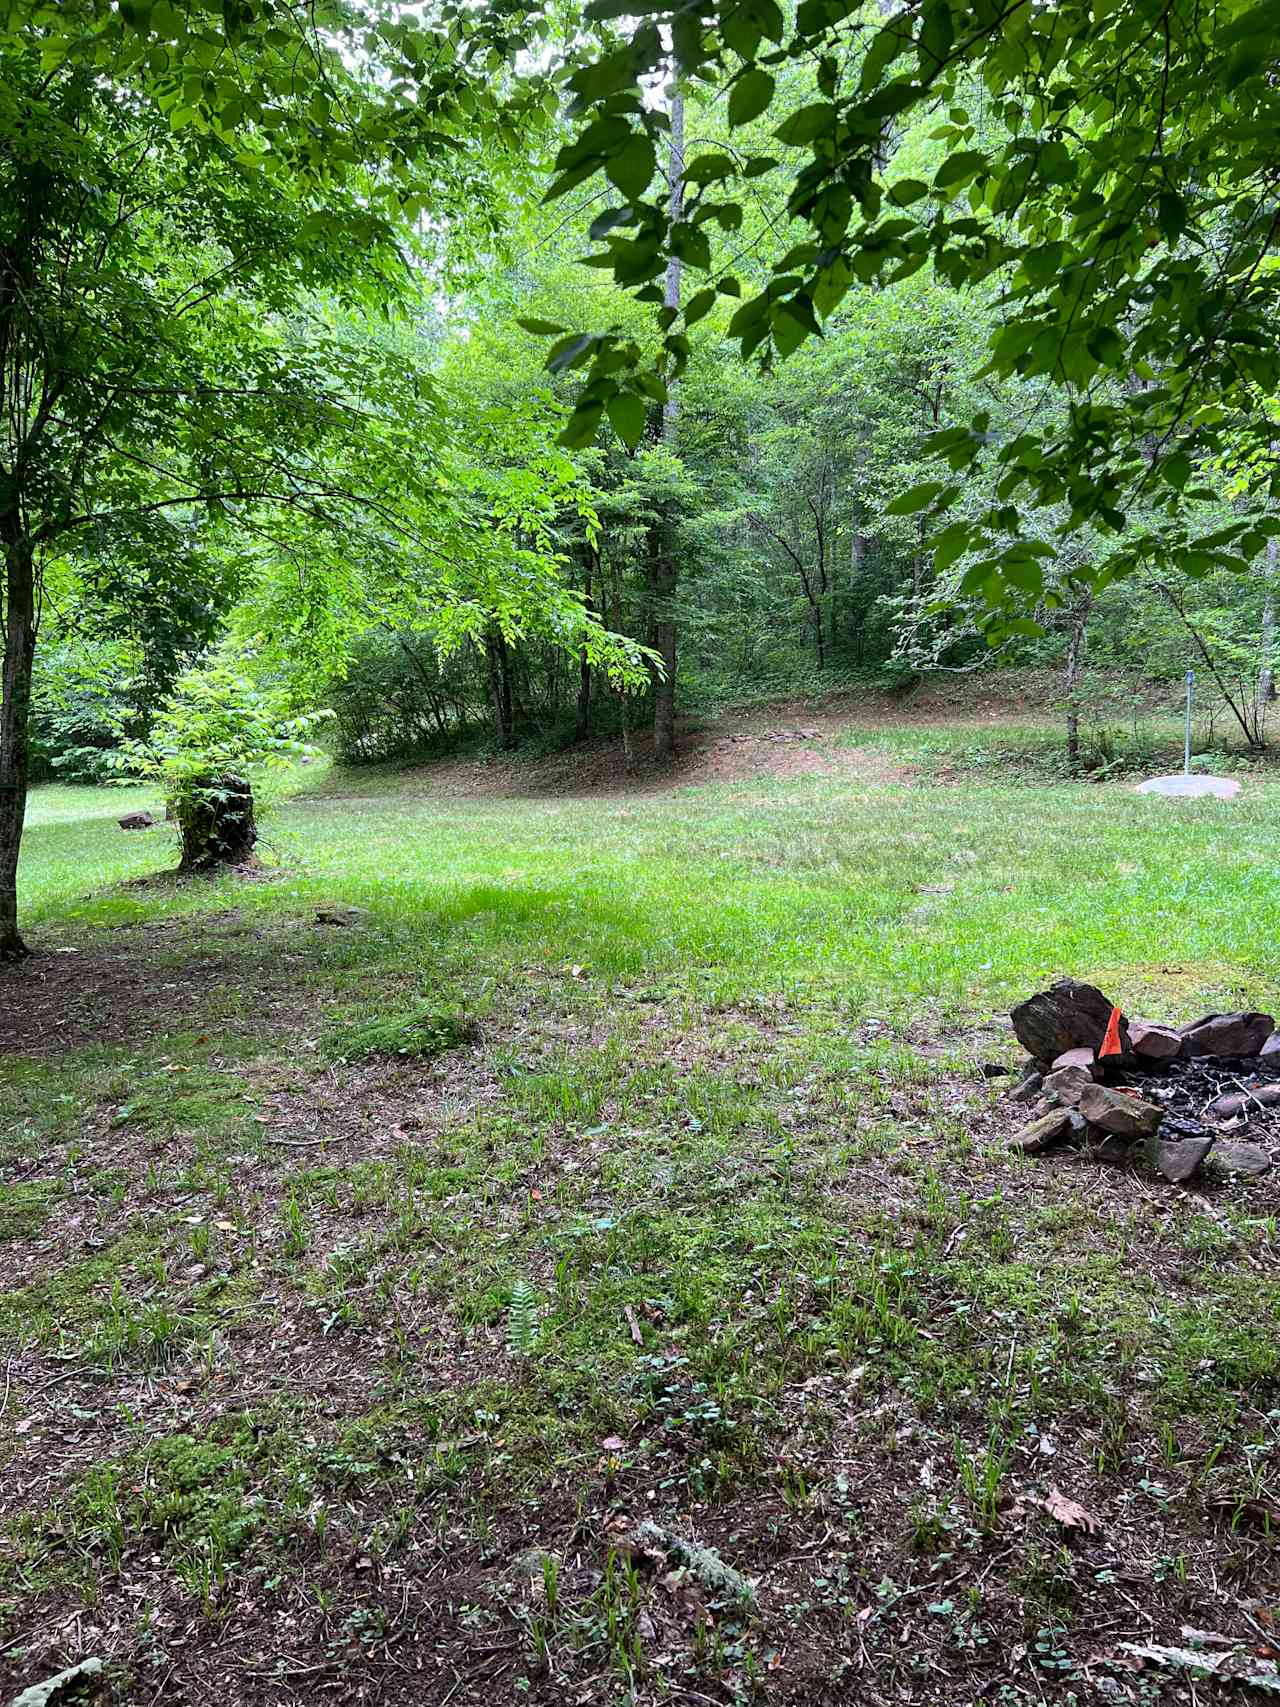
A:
(782, 742)
(330, 1374)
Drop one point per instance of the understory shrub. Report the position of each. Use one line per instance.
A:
(85, 694)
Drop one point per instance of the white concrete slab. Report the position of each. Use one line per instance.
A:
(1215, 787)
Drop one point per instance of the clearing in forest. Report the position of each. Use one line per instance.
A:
(588, 1267)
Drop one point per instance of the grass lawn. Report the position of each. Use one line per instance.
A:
(588, 1269)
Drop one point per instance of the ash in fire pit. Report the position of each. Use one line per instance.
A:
(1174, 1096)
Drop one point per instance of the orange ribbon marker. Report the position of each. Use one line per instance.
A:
(1111, 1042)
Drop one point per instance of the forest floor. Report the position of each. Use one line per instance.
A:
(385, 1236)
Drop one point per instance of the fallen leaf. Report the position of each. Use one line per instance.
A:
(1265, 1513)
(1069, 1513)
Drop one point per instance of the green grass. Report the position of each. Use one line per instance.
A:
(683, 1204)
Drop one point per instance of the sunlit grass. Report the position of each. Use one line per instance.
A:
(890, 896)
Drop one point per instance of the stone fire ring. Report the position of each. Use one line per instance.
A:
(1217, 787)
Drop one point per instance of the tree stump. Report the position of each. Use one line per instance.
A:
(216, 822)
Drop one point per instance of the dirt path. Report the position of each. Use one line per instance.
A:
(779, 742)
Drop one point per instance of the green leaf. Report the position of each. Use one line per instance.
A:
(750, 96)
(907, 190)
(570, 352)
(915, 498)
(959, 168)
(632, 168)
(532, 323)
(698, 306)
(707, 168)
(938, 33)
(627, 416)
(806, 124)
(950, 545)
(1171, 215)
(1176, 469)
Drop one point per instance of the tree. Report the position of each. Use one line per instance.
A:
(1112, 167)
(209, 734)
(181, 189)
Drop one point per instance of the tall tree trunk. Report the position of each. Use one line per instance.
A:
(583, 724)
(664, 570)
(1266, 672)
(499, 662)
(1071, 678)
(15, 713)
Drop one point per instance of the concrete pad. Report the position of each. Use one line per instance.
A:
(1217, 787)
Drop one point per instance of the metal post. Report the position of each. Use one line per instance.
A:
(1186, 755)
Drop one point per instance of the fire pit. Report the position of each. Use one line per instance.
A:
(1136, 1090)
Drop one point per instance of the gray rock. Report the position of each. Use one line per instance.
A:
(1227, 1034)
(1085, 1058)
(1154, 1042)
(1113, 1111)
(533, 1562)
(338, 915)
(1068, 1015)
(1026, 1090)
(1114, 1149)
(1051, 1128)
(1233, 1158)
(1068, 1084)
(1178, 1158)
(1271, 1046)
(1194, 787)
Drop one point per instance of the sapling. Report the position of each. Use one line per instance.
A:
(211, 734)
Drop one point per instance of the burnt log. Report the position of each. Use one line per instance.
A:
(1244, 1102)
(1068, 1015)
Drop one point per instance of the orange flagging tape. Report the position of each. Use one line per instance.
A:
(1111, 1042)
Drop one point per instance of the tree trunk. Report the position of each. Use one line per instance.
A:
(664, 571)
(583, 724)
(1266, 672)
(15, 714)
(216, 822)
(1071, 679)
(499, 661)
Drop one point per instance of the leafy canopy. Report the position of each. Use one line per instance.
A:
(1109, 165)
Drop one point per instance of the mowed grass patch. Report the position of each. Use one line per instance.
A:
(707, 1223)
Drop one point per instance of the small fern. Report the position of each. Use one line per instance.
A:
(522, 1320)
